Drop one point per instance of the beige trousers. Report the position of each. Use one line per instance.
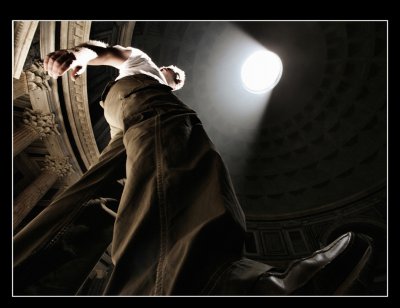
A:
(179, 228)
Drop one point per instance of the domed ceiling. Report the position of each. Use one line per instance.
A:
(315, 142)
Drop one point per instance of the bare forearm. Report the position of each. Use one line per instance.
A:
(59, 62)
(110, 56)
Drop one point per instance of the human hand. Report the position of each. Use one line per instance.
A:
(57, 63)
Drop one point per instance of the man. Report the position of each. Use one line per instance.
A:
(179, 228)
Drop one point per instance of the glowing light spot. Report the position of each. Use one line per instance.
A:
(261, 71)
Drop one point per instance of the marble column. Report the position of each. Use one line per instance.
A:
(54, 168)
(24, 32)
(35, 125)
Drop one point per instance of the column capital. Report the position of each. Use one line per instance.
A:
(36, 77)
(43, 123)
(59, 165)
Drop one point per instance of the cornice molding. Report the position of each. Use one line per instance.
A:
(75, 95)
(323, 208)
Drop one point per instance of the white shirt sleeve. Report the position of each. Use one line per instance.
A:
(140, 63)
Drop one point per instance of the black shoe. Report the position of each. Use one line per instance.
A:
(341, 268)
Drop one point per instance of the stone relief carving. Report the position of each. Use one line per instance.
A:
(58, 165)
(43, 123)
(36, 77)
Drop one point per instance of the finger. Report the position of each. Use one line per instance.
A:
(61, 64)
(66, 66)
(52, 60)
(46, 61)
(74, 72)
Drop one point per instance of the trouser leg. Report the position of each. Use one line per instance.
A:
(178, 221)
(57, 249)
(175, 224)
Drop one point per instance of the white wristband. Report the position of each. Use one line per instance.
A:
(83, 55)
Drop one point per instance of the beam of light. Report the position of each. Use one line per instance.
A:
(237, 112)
(230, 114)
(261, 71)
(235, 103)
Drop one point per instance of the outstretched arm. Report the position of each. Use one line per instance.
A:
(59, 62)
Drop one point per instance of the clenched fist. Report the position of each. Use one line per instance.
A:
(57, 63)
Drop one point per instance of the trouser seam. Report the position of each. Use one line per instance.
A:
(162, 207)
